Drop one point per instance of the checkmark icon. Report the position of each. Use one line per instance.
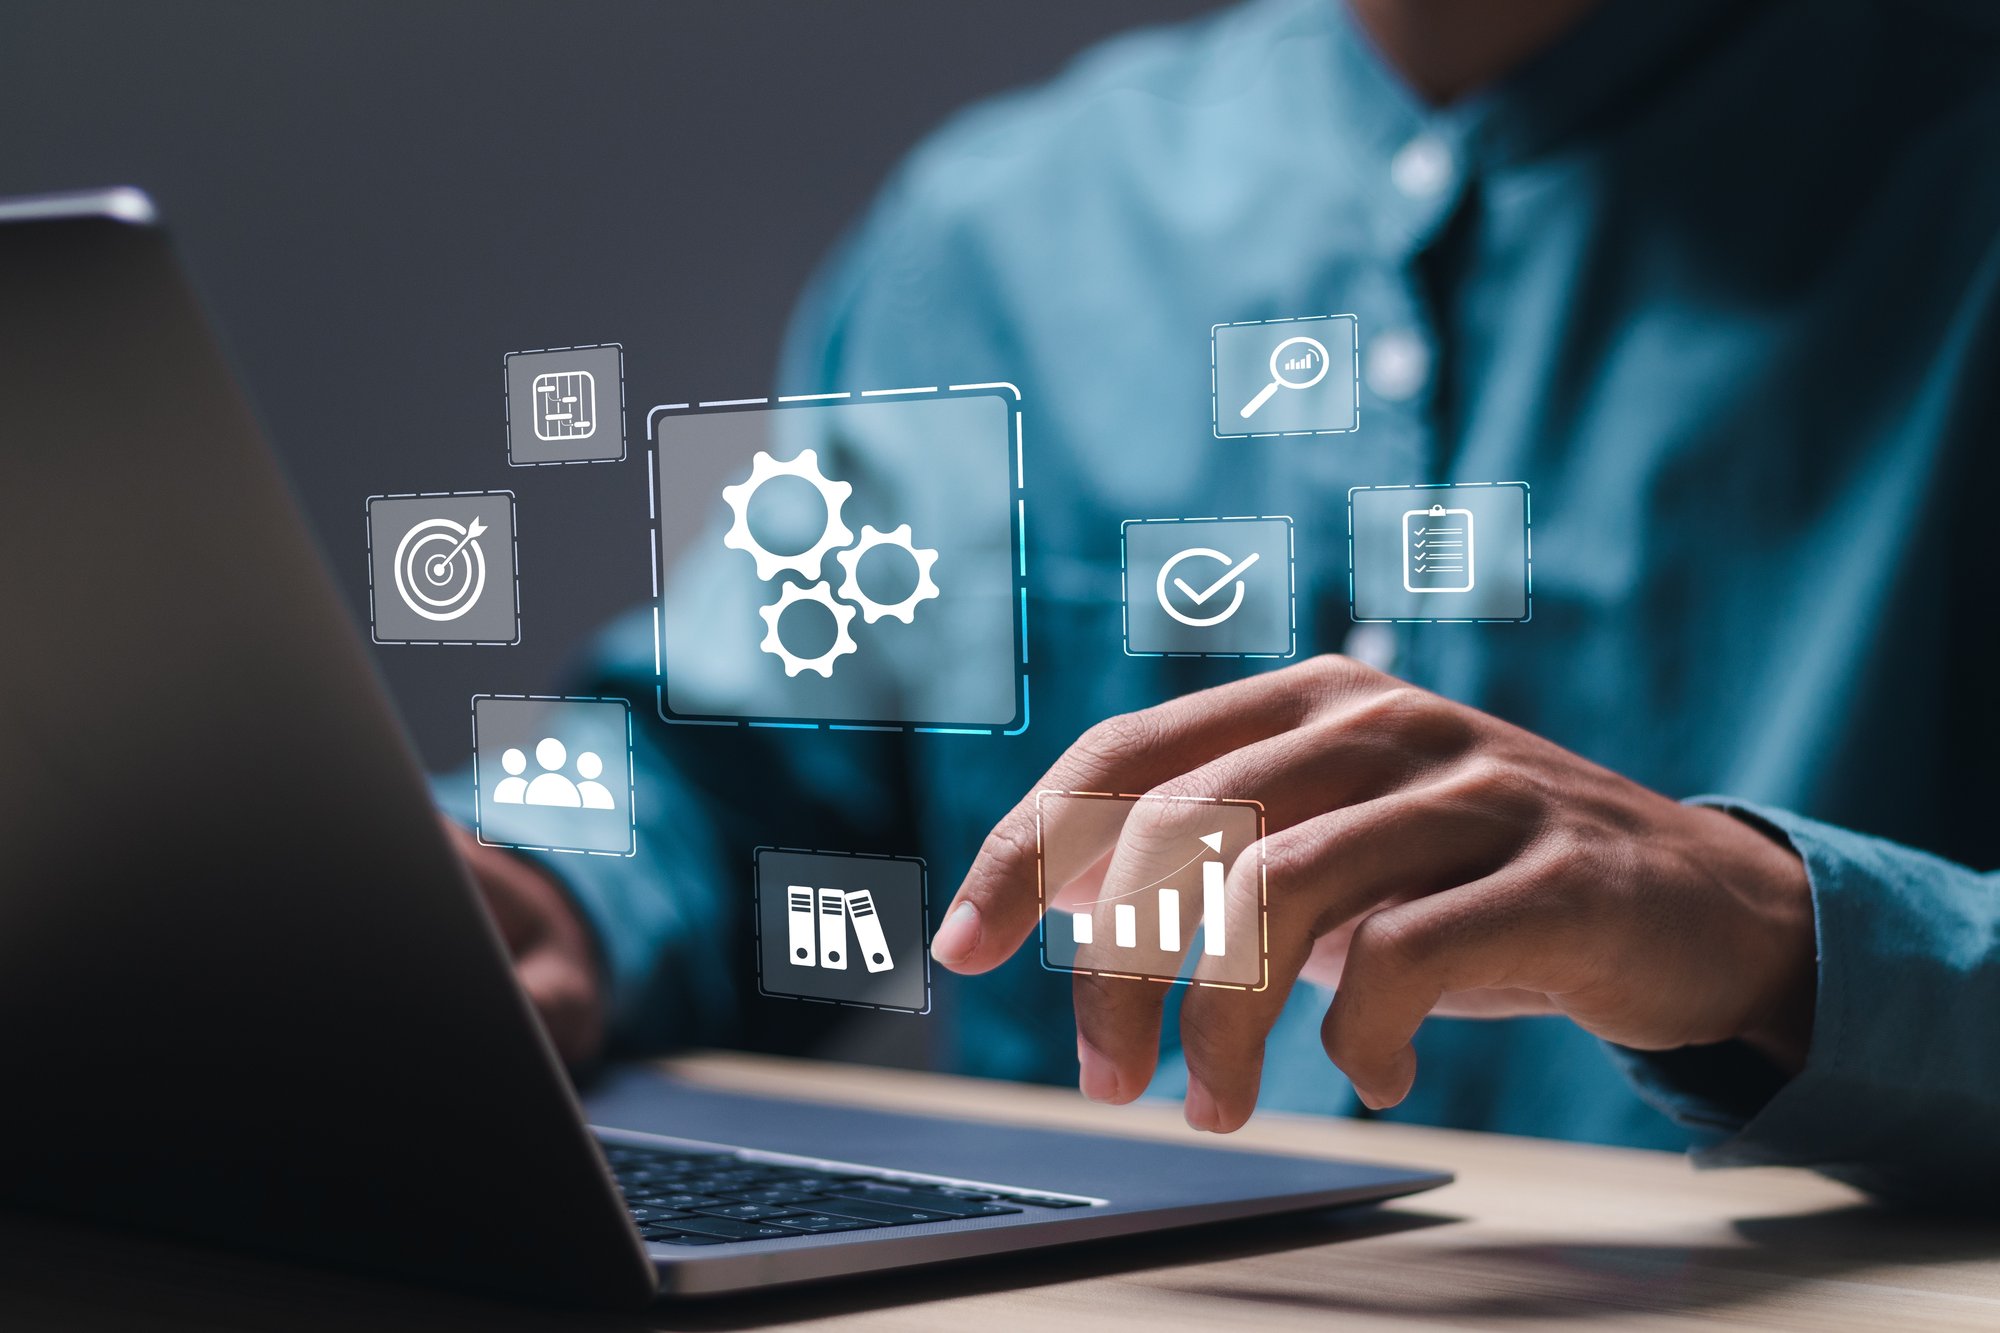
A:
(1230, 576)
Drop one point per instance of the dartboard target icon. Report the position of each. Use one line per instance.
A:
(440, 568)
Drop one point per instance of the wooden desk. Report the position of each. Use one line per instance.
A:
(1533, 1234)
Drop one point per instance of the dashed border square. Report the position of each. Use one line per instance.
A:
(1215, 389)
(757, 921)
(1020, 523)
(624, 446)
(1291, 581)
(514, 553)
(1527, 550)
(631, 775)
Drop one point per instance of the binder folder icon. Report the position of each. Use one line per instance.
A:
(818, 936)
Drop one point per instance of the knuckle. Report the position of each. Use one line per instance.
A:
(1384, 942)
(1011, 844)
(1287, 860)
(1330, 676)
(1206, 1040)
(1119, 739)
(1402, 711)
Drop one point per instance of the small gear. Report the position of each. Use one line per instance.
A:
(843, 616)
(805, 467)
(872, 610)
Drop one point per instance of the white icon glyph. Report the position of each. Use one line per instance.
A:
(1296, 363)
(440, 568)
(1437, 550)
(834, 537)
(1232, 575)
(565, 405)
(829, 919)
(552, 786)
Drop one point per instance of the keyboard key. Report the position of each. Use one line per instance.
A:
(731, 1229)
(654, 1214)
(686, 1238)
(748, 1212)
(817, 1222)
(786, 1194)
(869, 1210)
(1044, 1201)
(681, 1200)
(928, 1202)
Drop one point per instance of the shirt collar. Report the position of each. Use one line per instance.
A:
(1622, 52)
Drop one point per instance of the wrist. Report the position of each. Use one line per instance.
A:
(1769, 880)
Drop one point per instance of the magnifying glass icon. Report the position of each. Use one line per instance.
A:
(1300, 369)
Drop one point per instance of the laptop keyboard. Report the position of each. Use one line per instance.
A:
(688, 1197)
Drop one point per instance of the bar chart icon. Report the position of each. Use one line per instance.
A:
(1167, 912)
(1167, 889)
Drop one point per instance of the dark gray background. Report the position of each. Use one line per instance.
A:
(346, 183)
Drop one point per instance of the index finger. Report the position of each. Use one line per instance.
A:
(997, 906)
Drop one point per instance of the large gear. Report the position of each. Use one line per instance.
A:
(872, 610)
(806, 468)
(843, 616)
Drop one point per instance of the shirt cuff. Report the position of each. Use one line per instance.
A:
(1897, 1092)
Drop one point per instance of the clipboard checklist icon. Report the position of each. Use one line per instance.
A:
(1439, 550)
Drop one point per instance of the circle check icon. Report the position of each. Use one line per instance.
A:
(440, 568)
(1302, 369)
(1232, 578)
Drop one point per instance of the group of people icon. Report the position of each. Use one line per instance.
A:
(551, 786)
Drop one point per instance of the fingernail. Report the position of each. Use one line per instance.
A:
(1096, 1077)
(958, 936)
(1201, 1110)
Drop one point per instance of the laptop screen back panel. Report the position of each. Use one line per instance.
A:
(246, 991)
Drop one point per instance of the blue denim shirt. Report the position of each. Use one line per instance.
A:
(1717, 279)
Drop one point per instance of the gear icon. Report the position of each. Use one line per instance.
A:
(843, 616)
(807, 562)
(872, 610)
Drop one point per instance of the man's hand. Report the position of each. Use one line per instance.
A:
(1423, 857)
(553, 956)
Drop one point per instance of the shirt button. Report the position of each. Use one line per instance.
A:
(1397, 365)
(1422, 167)
(1371, 645)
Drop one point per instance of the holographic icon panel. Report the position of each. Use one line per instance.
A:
(843, 928)
(565, 405)
(862, 565)
(1456, 552)
(1152, 888)
(553, 774)
(441, 568)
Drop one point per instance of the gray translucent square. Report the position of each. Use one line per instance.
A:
(1173, 563)
(575, 799)
(1242, 357)
(1398, 533)
(566, 405)
(942, 465)
(431, 581)
(894, 886)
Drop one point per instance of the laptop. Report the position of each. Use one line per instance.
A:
(249, 996)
